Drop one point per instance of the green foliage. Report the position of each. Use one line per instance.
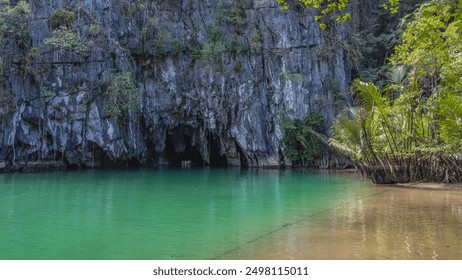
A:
(411, 130)
(398, 134)
(237, 66)
(13, 21)
(325, 8)
(374, 34)
(347, 137)
(176, 47)
(211, 52)
(233, 45)
(302, 138)
(215, 33)
(164, 44)
(256, 45)
(235, 16)
(95, 28)
(62, 17)
(46, 92)
(65, 39)
(121, 94)
(291, 77)
(131, 9)
(196, 54)
(338, 8)
(33, 52)
(432, 47)
(450, 121)
(158, 38)
(7, 104)
(392, 6)
(219, 42)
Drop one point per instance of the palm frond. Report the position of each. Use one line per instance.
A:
(451, 116)
(397, 75)
(370, 96)
(343, 148)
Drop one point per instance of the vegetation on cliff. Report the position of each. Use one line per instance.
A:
(409, 129)
(73, 70)
(301, 138)
(13, 34)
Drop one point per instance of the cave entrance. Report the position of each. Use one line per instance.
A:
(216, 157)
(178, 152)
(178, 148)
(242, 158)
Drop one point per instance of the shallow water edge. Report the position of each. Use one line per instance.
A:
(217, 213)
(397, 223)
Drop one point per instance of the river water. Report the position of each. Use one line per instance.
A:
(207, 213)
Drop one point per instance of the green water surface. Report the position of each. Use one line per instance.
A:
(161, 213)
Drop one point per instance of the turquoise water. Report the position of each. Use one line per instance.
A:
(164, 213)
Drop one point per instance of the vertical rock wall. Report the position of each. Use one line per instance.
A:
(213, 81)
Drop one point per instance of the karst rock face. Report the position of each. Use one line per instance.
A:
(213, 80)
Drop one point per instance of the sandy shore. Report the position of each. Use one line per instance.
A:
(418, 222)
(432, 186)
(414, 185)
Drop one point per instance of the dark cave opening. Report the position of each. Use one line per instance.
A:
(216, 158)
(178, 148)
(189, 153)
(242, 158)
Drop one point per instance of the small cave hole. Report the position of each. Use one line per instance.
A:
(242, 158)
(216, 158)
(190, 153)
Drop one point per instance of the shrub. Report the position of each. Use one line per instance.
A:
(256, 44)
(211, 52)
(62, 17)
(121, 94)
(232, 45)
(67, 40)
(7, 104)
(235, 16)
(13, 21)
(291, 77)
(95, 28)
(301, 137)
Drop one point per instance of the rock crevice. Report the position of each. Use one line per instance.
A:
(213, 80)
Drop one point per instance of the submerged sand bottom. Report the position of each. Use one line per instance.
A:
(395, 223)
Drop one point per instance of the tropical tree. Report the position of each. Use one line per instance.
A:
(411, 129)
(338, 8)
(302, 139)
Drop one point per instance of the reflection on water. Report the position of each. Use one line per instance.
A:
(222, 213)
(395, 224)
(164, 213)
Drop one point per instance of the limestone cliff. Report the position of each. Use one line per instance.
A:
(213, 81)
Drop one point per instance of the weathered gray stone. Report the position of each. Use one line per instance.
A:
(226, 108)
